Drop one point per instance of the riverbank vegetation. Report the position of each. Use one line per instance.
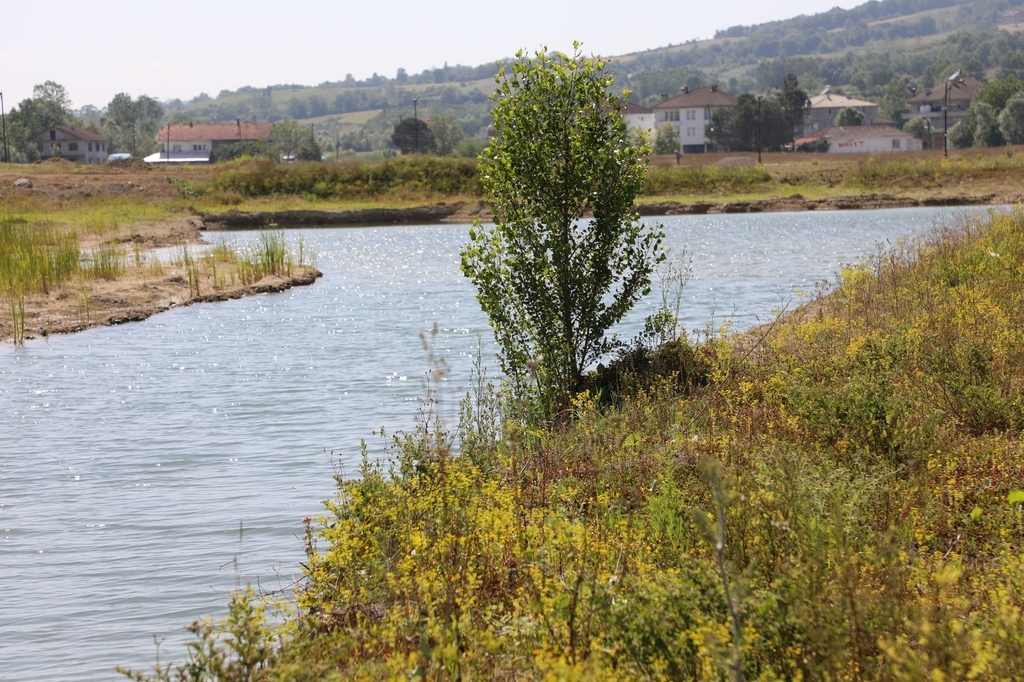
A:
(59, 277)
(836, 496)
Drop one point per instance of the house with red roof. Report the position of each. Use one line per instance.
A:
(690, 111)
(74, 143)
(194, 142)
(870, 139)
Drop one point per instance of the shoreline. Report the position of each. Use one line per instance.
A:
(131, 300)
(465, 212)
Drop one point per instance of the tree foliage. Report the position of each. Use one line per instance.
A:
(413, 136)
(848, 116)
(795, 104)
(751, 124)
(1011, 120)
(921, 128)
(132, 124)
(666, 139)
(448, 133)
(552, 281)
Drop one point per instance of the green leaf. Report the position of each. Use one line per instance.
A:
(1015, 496)
(976, 513)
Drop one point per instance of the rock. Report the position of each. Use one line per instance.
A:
(23, 183)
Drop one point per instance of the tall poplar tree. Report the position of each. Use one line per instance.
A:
(552, 280)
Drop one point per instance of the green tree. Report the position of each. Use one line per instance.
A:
(666, 139)
(848, 116)
(894, 101)
(551, 281)
(986, 130)
(49, 106)
(921, 128)
(742, 127)
(1011, 120)
(132, 124)
(795, 104)
(287, 136)
(448, 133)
(961, 135)
(997, 93)
(413, 136)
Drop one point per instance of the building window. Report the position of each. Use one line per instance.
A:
(53, 134)
(896, 144)
(90, 147)
(72, 146)
(176, 148)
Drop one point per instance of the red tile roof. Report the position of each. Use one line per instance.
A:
(70, 133)
(704, 96)
(215, 132)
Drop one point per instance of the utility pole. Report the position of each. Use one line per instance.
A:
(955, 80)
(759, 128)
(3, 119)
(416, 128)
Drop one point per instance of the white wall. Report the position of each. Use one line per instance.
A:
(872, 145)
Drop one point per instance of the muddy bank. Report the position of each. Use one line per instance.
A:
(466, 212)
(413, 215)
(134, 297)
(798, 203)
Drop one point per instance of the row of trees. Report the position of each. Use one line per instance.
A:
(131, 124)
(761, 122)
(994, 118)
(442, 134)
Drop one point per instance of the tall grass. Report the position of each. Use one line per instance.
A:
(421, 175)
(705, 179)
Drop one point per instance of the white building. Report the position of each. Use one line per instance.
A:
(73, 143)
(638, 118)
(193, 143)
(826, 106)
(690, 111)
(877, 139)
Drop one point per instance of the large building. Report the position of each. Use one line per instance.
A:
(690, 111)
(826, 106)
(73, 143)
(638, 117)
(929, 105)
(870, 139)
(193, 143)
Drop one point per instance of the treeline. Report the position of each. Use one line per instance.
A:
(261, 105)
(130, 124)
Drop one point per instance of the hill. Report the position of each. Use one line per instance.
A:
(860, 51)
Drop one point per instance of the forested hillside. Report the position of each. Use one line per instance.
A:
(861, 51)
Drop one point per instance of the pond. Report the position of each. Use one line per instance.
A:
(148, 469)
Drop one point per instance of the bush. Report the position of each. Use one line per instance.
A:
(352, 179)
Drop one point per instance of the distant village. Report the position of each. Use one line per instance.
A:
(689, 113)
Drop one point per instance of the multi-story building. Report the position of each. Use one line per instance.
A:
(690, 111)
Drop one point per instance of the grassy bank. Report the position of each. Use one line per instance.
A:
(838, 497)
(127, 195)
(45, 264)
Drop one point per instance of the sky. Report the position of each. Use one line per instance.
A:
(179, 49)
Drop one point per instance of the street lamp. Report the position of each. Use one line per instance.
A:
(415, 128)
(759, 128)
(955, 80)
